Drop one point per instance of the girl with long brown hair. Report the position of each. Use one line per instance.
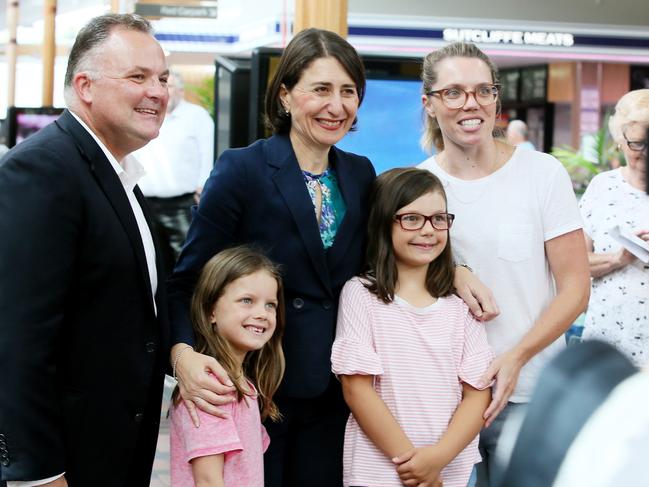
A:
(408, 352)
(238, 318)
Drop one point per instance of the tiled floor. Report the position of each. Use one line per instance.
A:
(160, 475)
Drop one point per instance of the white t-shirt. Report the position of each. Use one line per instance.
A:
(180, 159)
(502, 222)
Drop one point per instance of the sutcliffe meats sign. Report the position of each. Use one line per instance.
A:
(528, 38)
(190, 11)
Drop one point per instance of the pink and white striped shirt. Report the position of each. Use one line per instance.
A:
(419, 357)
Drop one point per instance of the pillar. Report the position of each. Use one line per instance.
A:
(12, 50)
(323, 14)
(49, 51)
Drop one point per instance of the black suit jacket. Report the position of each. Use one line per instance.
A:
(257, 195)
(82, 351)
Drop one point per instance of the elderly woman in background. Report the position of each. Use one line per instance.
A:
(618, 311)
(304, 202)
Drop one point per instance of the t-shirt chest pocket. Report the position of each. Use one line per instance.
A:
(515, 241)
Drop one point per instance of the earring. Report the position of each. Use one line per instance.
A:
(287, 112)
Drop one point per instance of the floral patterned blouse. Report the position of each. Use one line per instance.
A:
(618, 311)
(332, 209)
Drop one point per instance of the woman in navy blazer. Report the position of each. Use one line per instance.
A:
(273, 195)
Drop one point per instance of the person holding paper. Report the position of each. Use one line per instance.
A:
(615, 203)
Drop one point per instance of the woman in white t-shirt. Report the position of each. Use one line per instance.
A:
(617, 311)
(517, 224)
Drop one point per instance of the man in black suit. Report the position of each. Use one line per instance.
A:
(83, 330)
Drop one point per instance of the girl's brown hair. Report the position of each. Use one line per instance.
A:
(393, 190)
(432, 136)
(264, 367)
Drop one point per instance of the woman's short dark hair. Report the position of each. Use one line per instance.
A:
(393, 190)
(304, 48)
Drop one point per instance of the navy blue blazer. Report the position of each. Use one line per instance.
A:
(82, 352)
(257, 195)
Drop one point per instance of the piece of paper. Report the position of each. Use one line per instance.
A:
(631, 242)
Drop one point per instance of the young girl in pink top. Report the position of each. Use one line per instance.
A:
(408, 352)
(238, 317)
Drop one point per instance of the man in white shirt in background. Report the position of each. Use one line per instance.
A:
(517, 135)
(177, 163)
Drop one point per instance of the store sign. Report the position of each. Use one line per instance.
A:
(517, 37)
(190, 11)
(589, 105)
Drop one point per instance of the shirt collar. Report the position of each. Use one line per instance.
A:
(129, 172)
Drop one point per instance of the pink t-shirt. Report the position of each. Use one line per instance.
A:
(241, 437)
(419, 357)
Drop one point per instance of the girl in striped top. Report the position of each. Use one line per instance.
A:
(408, 352)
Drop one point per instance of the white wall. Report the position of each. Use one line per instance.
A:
(29, 82)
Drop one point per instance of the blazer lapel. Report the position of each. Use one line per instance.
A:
(290, 184)
(159, 266)
(161, 292)
(112, 187)
(350, 224)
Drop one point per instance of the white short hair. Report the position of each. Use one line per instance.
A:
(631, 108)
(519, 127)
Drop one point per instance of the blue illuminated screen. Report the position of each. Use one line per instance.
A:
(389, 125)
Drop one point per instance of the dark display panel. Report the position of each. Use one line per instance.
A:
(25, 121)
(534, 84)
(639, 77)
(231, 101)
(509, 85)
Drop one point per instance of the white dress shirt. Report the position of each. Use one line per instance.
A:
(129, 173)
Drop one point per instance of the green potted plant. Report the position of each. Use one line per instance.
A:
(602, 156)
(205, 94)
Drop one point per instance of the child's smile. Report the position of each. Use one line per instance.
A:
(246, 313)
(420, 247)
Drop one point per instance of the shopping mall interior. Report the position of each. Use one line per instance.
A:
(563, 65)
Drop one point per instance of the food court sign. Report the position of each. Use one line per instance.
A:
(164, 10)
(515, 37)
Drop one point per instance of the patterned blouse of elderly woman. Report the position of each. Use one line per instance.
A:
(618, 311)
